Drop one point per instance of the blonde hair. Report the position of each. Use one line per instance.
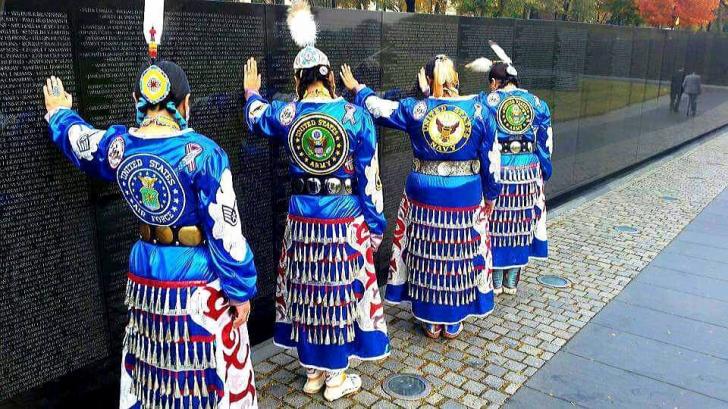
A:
(444, 77)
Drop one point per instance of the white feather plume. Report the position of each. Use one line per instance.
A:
(482, 64)
(153, 17)
(301, 24)
(500, 52)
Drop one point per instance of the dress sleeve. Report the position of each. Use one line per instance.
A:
(367, 175)
(263, 118)
(490, 159)
(230, 255)
(544, 140)
(388, 113)
(85, 146)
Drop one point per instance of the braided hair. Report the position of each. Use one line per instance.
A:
(440, 70)
(308, 76)
(179, 88)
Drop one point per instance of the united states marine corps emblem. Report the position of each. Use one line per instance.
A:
(447, 128)
(515, 115)
(318, 144)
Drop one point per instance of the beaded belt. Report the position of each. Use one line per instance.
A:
(516, 147)
(189, 236)
(323, 186)
(446, 168)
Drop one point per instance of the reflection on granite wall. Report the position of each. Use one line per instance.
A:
(614, 93)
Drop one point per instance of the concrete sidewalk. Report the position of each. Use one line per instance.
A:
(662, 342)
(494, 357)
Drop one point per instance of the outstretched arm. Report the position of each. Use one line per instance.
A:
(86, 147)
(230, 255)
(370, 184)
(261, 116)
(392, 114)
(544, 139)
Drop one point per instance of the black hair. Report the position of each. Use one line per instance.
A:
(179, 88)
(308, 76)
(499, 72)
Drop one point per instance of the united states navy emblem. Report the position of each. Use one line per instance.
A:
(152, 189)
(493, 99)
(447, 128)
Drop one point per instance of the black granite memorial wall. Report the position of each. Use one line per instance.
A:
(66, 238)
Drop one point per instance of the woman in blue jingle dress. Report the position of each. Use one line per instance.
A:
(191, 274)
(441, 252)
(328, 305)
(518, 223)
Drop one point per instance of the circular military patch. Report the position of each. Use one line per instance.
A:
(287, 114)
(447, 128)
(116, 152)
(318, 144)
(493, 99)
(515, 115)
(151, 188)
(418, 112)
(154, 84)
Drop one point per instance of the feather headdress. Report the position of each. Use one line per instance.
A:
(483, 64)
(153, 24)
(301, 24)
(303, 29)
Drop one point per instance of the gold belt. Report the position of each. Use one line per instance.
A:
(189, 236)
(446, 168)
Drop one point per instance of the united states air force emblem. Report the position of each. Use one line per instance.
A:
(447, 128)
(318, 144)
(151, 188)
(515, 115)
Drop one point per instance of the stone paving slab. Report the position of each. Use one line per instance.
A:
(668, 330)
(661, 326)
(495, 356)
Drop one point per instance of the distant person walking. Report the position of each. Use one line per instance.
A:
(676, 89)
(691, 86)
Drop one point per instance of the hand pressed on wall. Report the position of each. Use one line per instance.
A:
(348, 78)
(251, 77)
(55, 95)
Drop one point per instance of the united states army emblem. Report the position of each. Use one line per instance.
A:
(515, 115)
(318, 144)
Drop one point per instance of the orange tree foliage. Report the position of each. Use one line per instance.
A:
(666, 13)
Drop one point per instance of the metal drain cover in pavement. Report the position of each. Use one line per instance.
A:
(553, 281)
(406, 386)
(626, 229)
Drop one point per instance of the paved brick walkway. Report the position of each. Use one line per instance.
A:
(495, 356)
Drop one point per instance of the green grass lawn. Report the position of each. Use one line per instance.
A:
(598, 96)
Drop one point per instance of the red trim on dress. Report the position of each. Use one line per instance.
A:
(165, 284)
(303, 219)
(443, 208)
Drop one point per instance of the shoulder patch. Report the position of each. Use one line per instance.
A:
(287, 114)
(493, 99)
(115, 152)
(419, 110)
